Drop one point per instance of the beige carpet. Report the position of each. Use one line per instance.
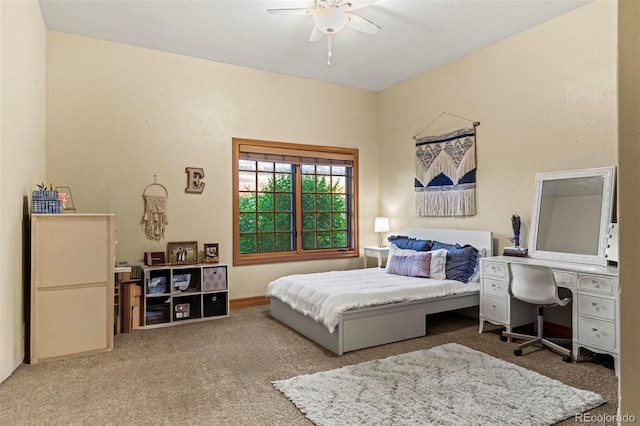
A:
(220, 372)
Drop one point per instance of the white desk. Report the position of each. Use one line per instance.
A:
(595, 312)
(380, 253)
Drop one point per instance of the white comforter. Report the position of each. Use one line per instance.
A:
(324, 296)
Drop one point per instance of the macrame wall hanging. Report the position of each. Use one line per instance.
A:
(445, 171)
(155, 218)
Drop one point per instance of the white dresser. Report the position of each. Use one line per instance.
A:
(595, 311)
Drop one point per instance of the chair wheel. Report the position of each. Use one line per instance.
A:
(517, 352)
(503, 338)
(567, 358)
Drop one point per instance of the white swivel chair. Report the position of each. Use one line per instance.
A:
(536, 285)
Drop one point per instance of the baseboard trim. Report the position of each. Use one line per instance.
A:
(249, 301)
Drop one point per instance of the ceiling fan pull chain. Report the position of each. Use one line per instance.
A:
(329, 50)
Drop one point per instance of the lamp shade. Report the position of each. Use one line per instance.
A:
(330, 20)
(381, 224)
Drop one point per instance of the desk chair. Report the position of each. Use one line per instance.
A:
(536, 285)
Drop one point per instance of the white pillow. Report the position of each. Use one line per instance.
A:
(438, 259)
(476, 273)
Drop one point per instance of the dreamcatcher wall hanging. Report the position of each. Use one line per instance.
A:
(155, 219)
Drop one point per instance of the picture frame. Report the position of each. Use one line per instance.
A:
(155, 258)
(211, 253)
(183, 252)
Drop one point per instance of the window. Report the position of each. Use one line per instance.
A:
(293, 202)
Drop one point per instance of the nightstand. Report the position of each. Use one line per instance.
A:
(380, 253)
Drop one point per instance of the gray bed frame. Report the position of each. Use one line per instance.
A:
(378, 325)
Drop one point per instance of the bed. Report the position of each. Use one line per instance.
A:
(363, 326)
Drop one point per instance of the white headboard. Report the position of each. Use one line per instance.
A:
(478, 239)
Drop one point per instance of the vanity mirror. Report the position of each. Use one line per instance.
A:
(571, 214)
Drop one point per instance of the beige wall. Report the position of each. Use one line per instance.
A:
(22, 157)
(118, 115)
(545, 100)
(629, 177)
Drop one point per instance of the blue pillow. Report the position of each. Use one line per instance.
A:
(461, 260)
(407, 243)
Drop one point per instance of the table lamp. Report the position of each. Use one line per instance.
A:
(381, 225)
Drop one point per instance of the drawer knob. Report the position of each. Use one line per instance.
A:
(494, 307)
(596, 332)
(595, 283)
(214, 298)
(493, 285)
(595, 306)
(494, 269)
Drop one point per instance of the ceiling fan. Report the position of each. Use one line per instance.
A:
(331, 16)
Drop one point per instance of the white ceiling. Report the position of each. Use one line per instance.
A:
(416, 35)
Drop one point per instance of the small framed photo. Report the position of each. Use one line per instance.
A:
(211, 253)
(183, 253)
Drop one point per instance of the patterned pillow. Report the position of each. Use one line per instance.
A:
(461, 260)
(411, 263)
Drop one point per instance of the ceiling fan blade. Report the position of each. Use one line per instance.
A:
(316, 34)
(294, 11)
(355, 5)
(358, 23)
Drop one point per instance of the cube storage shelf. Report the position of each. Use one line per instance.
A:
(175, 294)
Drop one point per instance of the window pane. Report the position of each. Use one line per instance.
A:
(324, 221)
(322, 184)
(308, 168)
(284, 242)
(247, 243)
(247, 222)
(265, 182)
(265, 166)
(308, 240)
(265, 202)
(265, 222)
(246, 165)
(324, 202)
(340, 239)
(283, 182)
(324, 170)
(308, 222)
(338, 184)
(308, 183)
(284, 222)
(339, 221)
(283, 203)
(247, 202)
(247, 181)
(324, 240)
(338, 203)
(265, 243)
(284, 167)
(339, 170)
(308, 203)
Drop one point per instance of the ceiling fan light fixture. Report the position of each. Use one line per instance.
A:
(330, 20)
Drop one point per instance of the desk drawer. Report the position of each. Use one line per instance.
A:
(596, 332)
(494, 309)
(596, 307)
(564, 279)
(495, 269)
(596, 283)
(494, 287)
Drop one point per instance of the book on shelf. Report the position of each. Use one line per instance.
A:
(515, 251)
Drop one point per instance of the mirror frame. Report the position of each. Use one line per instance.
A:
(608, 173)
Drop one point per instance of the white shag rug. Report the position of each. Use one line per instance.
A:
(447, 385)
